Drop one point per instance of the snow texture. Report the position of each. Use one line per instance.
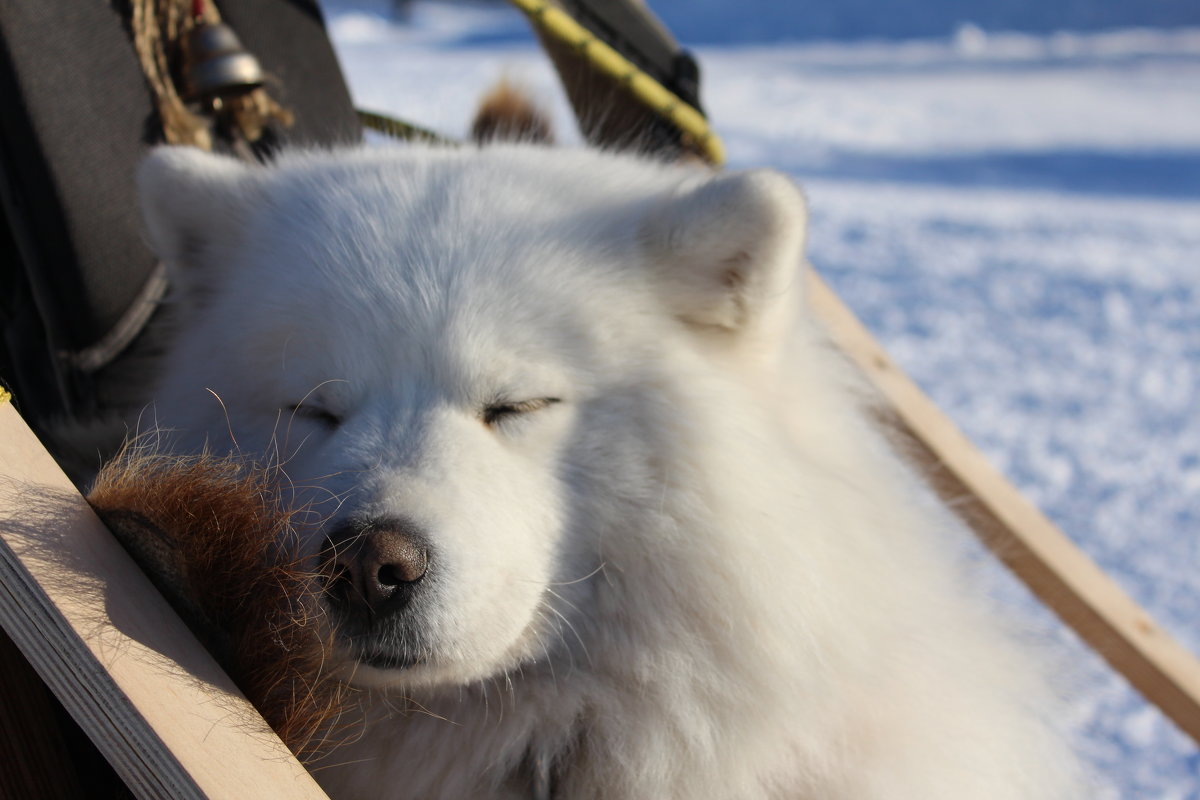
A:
(1015, 214)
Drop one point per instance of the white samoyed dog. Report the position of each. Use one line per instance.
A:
(606, 516)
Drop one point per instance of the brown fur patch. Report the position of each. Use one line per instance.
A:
(216, 537)
(508, 114)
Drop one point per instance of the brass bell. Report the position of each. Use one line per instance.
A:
(218, 66)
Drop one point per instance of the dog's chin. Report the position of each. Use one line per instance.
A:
(384, 672)
(375, 666)
(383, 660)
(380, 668)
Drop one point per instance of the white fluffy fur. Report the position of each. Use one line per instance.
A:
(702, 574)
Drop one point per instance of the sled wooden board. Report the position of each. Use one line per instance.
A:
(1058, 572)
(132, 675)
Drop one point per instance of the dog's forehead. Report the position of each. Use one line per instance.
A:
(424, 225)
(501, 183)
(430, 223)
(429, 261)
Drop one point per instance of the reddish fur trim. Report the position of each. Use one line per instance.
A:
(508, 114)
(217, 538)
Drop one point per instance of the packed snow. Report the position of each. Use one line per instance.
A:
(1015, 214)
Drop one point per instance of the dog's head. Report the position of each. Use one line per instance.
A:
(458, 357)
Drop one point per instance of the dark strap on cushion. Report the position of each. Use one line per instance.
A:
(76, 116)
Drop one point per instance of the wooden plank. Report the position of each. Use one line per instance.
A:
(1057, 571)
(153, 700)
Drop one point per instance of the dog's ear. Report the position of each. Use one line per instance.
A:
(726, 250)
(195, 206)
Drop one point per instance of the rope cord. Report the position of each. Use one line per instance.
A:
(156, 24)
(399, 129)
(160, 35)
(603, 58)
(698, 135)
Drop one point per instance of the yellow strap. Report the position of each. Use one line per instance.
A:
(399, 129)
(5, 395)
(691, 123)
(607, 60)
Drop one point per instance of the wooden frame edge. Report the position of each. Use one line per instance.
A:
(1062, 576)
(111, 648)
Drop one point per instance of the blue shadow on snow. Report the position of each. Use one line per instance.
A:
(1162, 174)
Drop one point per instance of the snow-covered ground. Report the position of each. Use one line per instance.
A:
(1016, 216)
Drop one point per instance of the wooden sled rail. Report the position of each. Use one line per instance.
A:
(1037, 552)
(131, 674)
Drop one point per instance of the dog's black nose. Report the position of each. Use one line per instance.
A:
(373, 567)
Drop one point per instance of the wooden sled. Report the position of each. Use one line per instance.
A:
(172, 725)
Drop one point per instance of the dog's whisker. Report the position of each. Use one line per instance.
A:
(591, 574)
(570, 626)
(228, 419)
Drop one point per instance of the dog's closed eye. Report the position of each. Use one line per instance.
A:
(315, 413)
(497, 412)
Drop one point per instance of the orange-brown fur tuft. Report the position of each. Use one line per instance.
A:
(508, 114)
(217, 538)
